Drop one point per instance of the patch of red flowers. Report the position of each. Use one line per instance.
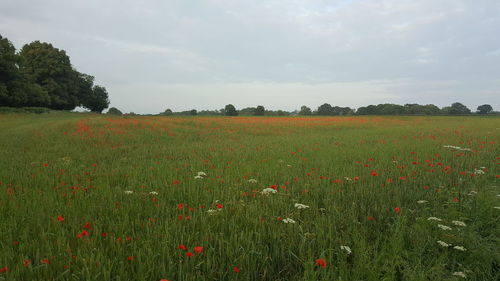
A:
(181, 247)
(87, 225)
(320, 262)
(4, 269)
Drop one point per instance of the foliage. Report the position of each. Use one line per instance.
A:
(484, 109)
(230, 110)
(259, 111)
(304, 110)
(114, 111)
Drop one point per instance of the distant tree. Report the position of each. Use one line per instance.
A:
(93, 97)
(325, 109)
(246, 111)
(484, 109)
(167, 112)
(259, 111)
(304, 110)
(114, 111)
(367, 110)
(193, 112)
(230, 110)
(458, 109)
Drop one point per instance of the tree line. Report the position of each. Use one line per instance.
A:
(328, 110)
(40, 75)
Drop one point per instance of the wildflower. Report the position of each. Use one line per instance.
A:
(153, 193)
(202, 174)
(422, 201)
(181, 247)
(128, 192)
(460, 248)
(163, 279)
(370, 218)
(444, 227)
(26, 263)
(397, 210)
(267, 191)
(211, 211)
(181, 217)
(104, 234)
(320, 262)
(130, 258)
(81, 234)
(198, 177)
(3, 269)
(443, 244)
(46, 261)
(60, 218)
(180, 206)
(456, 200)
(198, 249)
(478, 172)
(218, 206)
(496, 207)
(252, 181)
(236, 269)
(189, 254)
(433, 219)
(346, 248)
(460, 274)
(288, 220)
(472, 192)
(301, 206)
(87, 225)
(459, 223)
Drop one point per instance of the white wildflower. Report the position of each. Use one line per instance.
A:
(457, 147)
(346, 248)
(289, 166)
(198, 177)
(211, 211)
(459, 273)
(460, 248)
(252, 181)
(301, 206)
(347, 178)
(459, 223)
(444, 244)
(472, 192)
(444, 227)
(478, 172)
(267, 191)
(422, 201)
(434, 219)
(496, 207)
(202, 174)
(128, 192)
(153, 193)
(288, 220)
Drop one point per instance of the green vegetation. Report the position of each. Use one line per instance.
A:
(93, 197)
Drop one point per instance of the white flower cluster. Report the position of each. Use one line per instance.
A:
(346, 248)
(267, 191)
(457, 147)
(200, 175)
(434, 219)
(153, 193)
(444, 227)
(479, 172)
(460, 248)
(288, 220)
(422, 201)
(459, 223)
(460, 274)
(443, 244)
(252, 181)
(128, 192)
(301, 206)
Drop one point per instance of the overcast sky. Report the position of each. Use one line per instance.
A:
(184, 54)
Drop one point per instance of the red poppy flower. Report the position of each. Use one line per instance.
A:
(45, 164)
(45, 261)
(397, 210)
(320, 262)
(498, 176)
(236, 269)
(189, 254)
(130, 258)
(26, 263)
(181, 217)
(4, 269)
(180, 206)
(163, 279)
(370, 218)
(218, 206)
(104, 234)
(198, 249)
(87, 225)
(456, 199)
(181, 247)
(60, 218)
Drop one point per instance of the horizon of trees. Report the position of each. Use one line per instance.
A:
(328, 110)
(40, 75)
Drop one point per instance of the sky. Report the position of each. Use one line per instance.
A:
(185, 54)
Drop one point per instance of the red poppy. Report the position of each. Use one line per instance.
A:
(81, 234)
(198, 249)
(104, 234)
(180, 206)
(273, 186)
(4, 269)
(26, 263)
(130, 258)
(163, 279)
(87, 225)
(320, 262)
(456, 199)
(397, 209)
(45, 261)
(498, 176)
(218, 206)
(370, 218)
(181, 217)
(181, 247)
(236, 269)
(45, 164)
(60, 218)
(189, 254)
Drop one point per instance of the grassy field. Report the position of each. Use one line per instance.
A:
(92, 197)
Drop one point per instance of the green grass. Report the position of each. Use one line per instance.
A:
(352, 172)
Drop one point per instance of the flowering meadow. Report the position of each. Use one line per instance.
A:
(93, 197)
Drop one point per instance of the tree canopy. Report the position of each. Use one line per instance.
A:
(42, 75)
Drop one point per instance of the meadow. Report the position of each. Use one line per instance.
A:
(94, 197)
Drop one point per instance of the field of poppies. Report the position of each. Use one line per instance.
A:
(93, 197)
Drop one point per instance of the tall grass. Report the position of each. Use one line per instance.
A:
(127, 199)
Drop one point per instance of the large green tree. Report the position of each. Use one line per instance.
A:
(484, 109)
(230, 110)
